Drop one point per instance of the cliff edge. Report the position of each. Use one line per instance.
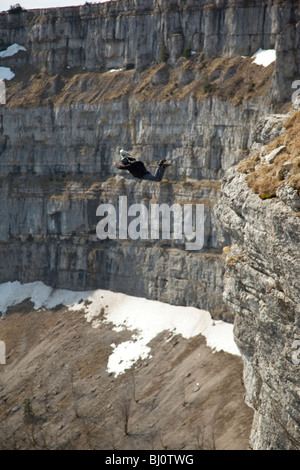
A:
(261, 282)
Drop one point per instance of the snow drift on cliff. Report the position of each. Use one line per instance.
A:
(264, 57)
(12, 50)
(145, 318)
(5, 72)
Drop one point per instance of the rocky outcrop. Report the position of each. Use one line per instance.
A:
(261, 287)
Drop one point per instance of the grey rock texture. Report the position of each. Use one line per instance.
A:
(56, 157)
(133, 33)
(261, 287)
(289, 196)
(262, 290)
(50, 149)
(87, 138)
(268, 128)
(49, 197)
(48, 219)
(48, 231)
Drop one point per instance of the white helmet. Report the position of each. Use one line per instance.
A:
(124, 153)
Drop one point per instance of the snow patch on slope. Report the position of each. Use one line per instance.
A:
(264, 57)
(145, 318)
(11, 50)
(5, 72)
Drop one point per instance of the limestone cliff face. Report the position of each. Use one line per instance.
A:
(262, 289)
(49, 216)
(132, 33)
(183, 93)
(48, 231)
(67, 115)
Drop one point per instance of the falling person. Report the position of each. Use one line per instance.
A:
(138, 169)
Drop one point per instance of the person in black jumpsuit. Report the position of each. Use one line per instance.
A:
(138, 169)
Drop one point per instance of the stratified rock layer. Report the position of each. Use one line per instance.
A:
(139, 33)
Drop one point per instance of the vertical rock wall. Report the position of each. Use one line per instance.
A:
(50, 150)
